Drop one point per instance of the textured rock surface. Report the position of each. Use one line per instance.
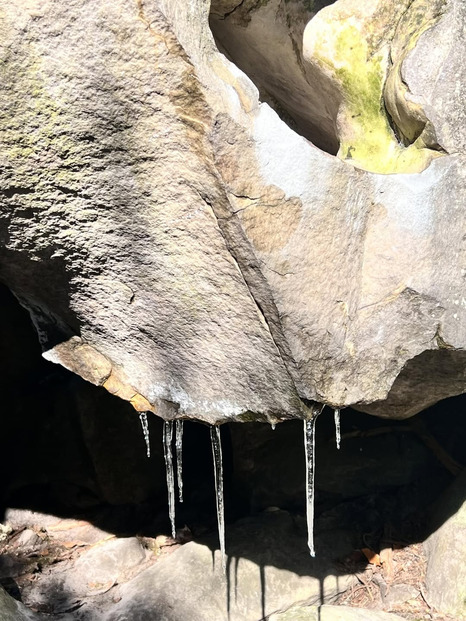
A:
(178, 243)
(353, 46)
(268, 569)
(332, 613)
(93, 574)
(11, 610)
(446, 550)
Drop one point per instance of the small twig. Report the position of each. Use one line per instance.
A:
(366, 584)
(423, 595)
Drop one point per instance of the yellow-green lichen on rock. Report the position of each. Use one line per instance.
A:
(412, 124)
(351, 46)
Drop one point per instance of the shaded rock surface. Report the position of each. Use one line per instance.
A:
(177, 243)
(332, 613)
(12, 610)
(446, 549)
(268, 568)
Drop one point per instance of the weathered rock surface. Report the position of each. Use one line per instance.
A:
(94, 573)
(332, 613)
(12, 610)
(176, 242)
(268, 569)
(446, 550)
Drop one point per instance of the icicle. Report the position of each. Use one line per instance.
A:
(273, 425)
(218, 472)
(309, 446)
(145, 430)
(336, 414)
(168, 454)
(179, 457)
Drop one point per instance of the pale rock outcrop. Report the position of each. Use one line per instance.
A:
(176, 241)
(445, 549)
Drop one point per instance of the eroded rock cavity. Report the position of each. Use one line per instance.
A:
(334, 72)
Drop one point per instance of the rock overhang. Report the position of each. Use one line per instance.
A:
(251, 276)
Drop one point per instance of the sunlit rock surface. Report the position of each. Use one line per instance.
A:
(179, 243)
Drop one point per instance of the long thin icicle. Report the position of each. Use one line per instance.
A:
(145, 430)
(168, 454)
(309, 447)
(336, 414)
(218, 472)
(179, 457)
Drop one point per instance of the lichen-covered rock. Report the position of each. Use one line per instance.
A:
(354, 46)
(177, 243)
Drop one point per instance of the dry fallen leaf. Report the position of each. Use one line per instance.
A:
(372, 557)
(386, 557)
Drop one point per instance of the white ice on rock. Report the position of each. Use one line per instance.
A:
(179, 457)
(216, 442)
(336, 414)
(309, 448)
(145, 430)
(168, 455)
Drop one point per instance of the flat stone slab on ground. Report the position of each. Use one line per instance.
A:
(332, 613)
(268, 569)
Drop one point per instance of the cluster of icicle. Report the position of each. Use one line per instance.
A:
(215, 438)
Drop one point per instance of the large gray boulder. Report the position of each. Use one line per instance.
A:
(178, 243)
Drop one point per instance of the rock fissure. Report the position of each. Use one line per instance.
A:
(272, 324)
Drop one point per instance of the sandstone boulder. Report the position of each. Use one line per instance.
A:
(178, 243)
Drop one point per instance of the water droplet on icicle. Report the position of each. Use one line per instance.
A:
(218, 473)
(179, 457)
(336, 414)
(168, 455)
(145, 430)
(309, 448)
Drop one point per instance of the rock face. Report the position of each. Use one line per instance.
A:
(332, 613)
(11, 610)
(176, 242)
(267, 570)
(445, 548)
